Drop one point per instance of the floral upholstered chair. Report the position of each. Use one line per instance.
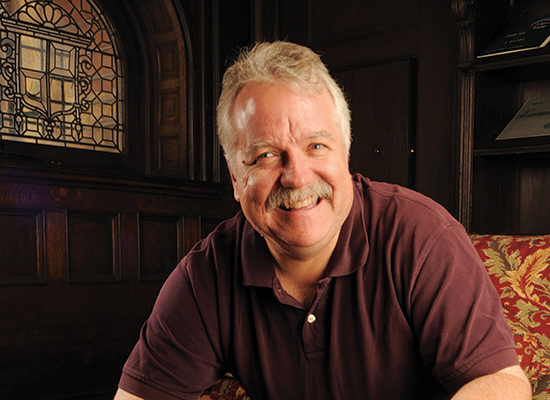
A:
(519, 267)
(227, 388)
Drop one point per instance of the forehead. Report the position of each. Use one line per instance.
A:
(273, 109)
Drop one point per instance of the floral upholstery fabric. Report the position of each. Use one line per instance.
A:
(519, 267)
(227, 388)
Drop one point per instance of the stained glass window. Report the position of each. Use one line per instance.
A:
(61, 78)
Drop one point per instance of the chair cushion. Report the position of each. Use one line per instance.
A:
(519, 267)
(226, 388)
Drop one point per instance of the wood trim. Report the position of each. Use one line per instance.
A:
(465, 110)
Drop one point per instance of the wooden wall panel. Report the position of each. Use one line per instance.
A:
(85, 357)
(161, 245)
(104, 249)
(56, 244)
(168, 57)
(383, 129)
(534, 194)
(169, 108)
(93, 247)
(511, 196)
(168, 153)
(330, 20)
(169, 150)
(192, 232)
(159, 17)
(22, 247)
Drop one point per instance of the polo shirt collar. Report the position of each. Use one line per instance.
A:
(349, 255)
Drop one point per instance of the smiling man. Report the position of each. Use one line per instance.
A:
(326, 285)
(290, 174)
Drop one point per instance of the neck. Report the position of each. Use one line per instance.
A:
(300, 285)
(300, 273)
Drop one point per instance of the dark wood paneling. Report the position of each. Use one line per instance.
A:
(395, 42)
(169, 59)
(345, 18)
(50, 361)
(159, 17)
(161, 245)
(434, 138)
(192, 232)
(169, 108)
(115, 241)
(168, 153)
(168, 63)
(383, 129)
(511, 196)
(93, 247)
(22, 247)
(534, 192)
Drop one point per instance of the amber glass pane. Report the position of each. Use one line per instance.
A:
(60, 81)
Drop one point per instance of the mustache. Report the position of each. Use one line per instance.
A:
(284, 195)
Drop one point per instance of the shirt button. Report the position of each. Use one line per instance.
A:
(311, 318)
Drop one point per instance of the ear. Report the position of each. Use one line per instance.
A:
(235, 185)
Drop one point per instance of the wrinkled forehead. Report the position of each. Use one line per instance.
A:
(267, 104)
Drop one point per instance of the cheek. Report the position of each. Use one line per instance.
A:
(338, 169)
(255, 191)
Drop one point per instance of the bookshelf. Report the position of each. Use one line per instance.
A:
(503, 185)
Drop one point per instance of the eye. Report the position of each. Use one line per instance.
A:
(317, 146)
(263, 156)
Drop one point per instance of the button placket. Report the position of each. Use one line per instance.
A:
(314, 325)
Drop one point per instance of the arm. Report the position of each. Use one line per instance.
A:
(122, 395)
(507, 384)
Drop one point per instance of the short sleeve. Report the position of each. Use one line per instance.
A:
(174, 357)
(457, 314)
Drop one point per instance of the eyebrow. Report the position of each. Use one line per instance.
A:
(258, 145)
(264, 143)
(267, 143)
(323, 134)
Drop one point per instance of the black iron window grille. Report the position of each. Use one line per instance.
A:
(61, 81)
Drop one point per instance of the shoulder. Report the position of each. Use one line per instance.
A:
(397, 204)
(406, 223)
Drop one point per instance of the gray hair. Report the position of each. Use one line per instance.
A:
(279, 61)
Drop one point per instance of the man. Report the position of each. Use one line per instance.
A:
(326, 285)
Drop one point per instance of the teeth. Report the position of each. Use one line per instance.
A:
(300, 204)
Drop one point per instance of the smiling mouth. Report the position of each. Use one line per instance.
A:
(300, 205)
(289, 199)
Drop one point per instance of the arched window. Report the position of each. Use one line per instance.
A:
(61, 77)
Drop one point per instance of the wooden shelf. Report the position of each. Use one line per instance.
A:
(528, 147)
(529, 65)
(504, 183)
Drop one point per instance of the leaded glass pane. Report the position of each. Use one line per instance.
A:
(61, 76)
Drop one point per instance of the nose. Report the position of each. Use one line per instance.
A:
(296, 170)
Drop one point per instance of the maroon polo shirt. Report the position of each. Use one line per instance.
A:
(406, 311)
